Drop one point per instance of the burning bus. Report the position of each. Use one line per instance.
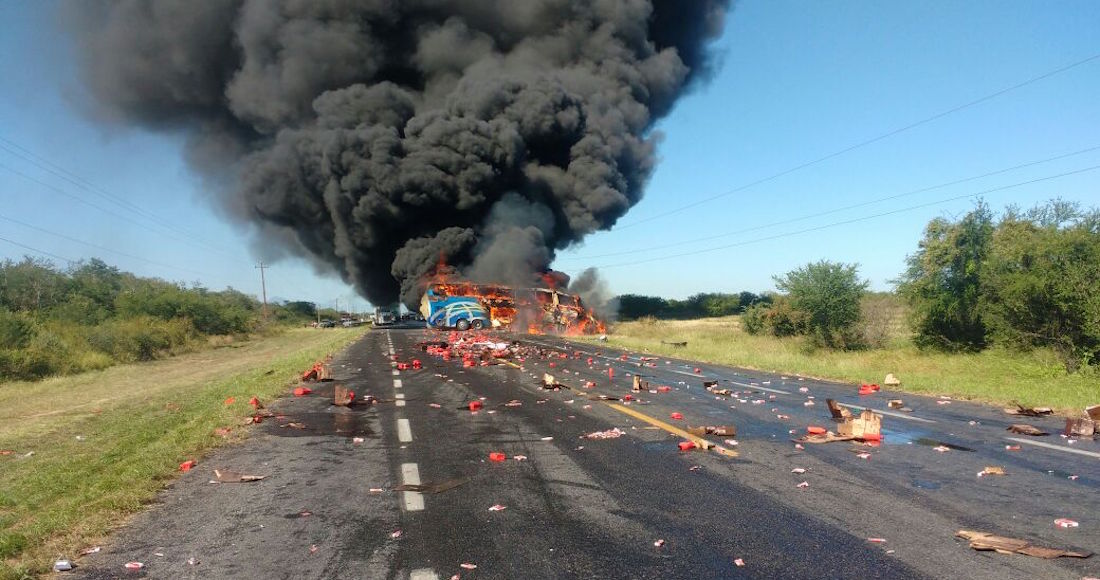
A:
(464, 305)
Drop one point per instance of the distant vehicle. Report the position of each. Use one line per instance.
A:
(350, 323)
(327, 324)
(458, 312)
(383, 317)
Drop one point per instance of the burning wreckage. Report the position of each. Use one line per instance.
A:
(465, 305)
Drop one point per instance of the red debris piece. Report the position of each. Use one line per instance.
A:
(497, 456)
(468, 566)
(698, 370)
(255, 402)
(610, 373)
(187, 465)
(589, 361)
(866, 389)
(302, 391)
(1065, 523)
(134, 565)
(687, 445)
(664, 389)
(628, 397)
(676, 416)
(475, 405)
(813, 430)
(416, 363)
(230, 400)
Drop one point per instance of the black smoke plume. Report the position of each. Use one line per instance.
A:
(381, 137)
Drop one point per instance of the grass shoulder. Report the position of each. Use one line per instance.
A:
(102, 444)
(995, 375)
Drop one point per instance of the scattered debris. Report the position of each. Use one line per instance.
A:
(804, 484)
(1080, 427)
(474, 406)
(891, 380)
(1012, 447)
(1029, 411)
(92, 550)
(234, 477)
(187, 465)
(62, 566)
(866, 389)
(519, 457)
(941, 448)
(342, 396)
(676, 416)
(640, 385)
(222, 432)
(658, 543)
(798, 470)
(302, 391)
(293, 425)
(497, 456)
(468, 566)
(984, 541)
(439, 487)
(687, 445)
(134, 565)
(739, 562)
(318, 372)
(716, 430)
(313, 548)
(256, 404)
(991, 470)
(1065, 523)
(396, 534)
(230, 401)
(837, 411)
(497, 508)
(609, 434)
(868, 427)
(877, 540)
(1027, 430)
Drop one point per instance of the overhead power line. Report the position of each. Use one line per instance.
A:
(840, 209)
(850, 221)
(861, 144)
(97, 246)
(60, 172)
(38, 251)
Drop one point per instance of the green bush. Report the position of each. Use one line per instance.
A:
(139, 339)
(754, 320)
(782, 319)
(16, 331)
(829, 295)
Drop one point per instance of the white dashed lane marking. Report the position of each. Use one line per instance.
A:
(397, 383)
(404, 432)
(410, 475)
(1054, 447)
(890, 413)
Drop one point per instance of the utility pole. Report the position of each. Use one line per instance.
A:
(263, 285)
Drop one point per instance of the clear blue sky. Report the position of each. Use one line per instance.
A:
(799, 81)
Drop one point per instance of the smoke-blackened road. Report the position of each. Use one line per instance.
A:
(594, 508)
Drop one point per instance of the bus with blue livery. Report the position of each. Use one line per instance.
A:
(442, 310)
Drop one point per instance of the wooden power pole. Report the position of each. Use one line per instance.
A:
(263, 285)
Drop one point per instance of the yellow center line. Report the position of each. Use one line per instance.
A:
(699, 441)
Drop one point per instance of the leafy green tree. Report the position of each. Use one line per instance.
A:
(1039, 283)
(942, 283)
(829, 294)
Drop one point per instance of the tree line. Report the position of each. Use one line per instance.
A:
(92, 315)
(1028, 279)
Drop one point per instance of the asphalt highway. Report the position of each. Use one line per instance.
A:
(561, 505)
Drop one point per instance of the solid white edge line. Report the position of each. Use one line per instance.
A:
(423, 574)
(410, 475)
(1054, 447)
(397, 383)
(404, 432)
(890, 413)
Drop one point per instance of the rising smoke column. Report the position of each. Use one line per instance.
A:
(379, 137)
